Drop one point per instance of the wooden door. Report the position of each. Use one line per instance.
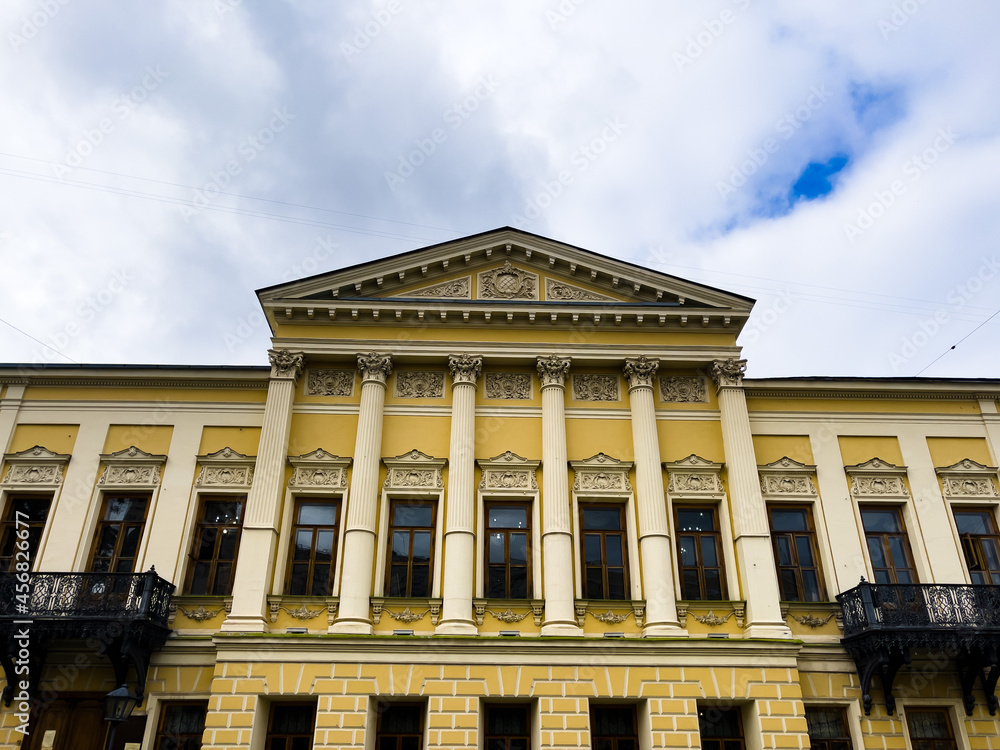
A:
(78, 724)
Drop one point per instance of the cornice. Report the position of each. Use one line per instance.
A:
(873, 388)
(253, 380)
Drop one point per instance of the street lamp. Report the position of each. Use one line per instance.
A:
(118, 707)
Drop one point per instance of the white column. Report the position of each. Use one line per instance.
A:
(460, 533)
(754, 555)
(362, 501)
(259, 538)
(651, 503)
(557, 534)
(9, 406)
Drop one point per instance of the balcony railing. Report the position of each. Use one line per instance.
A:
(916, 606)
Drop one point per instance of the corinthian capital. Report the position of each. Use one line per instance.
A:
(552, 370)
(285, 364)
(640, 371)
(375, 366)
(728, 371)
(464, 369)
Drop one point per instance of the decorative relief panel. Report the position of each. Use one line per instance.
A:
(419, 384)
(595, 388)
(683, 390)
(508, 282)
(131, 467)
(318, 469)
(968, 479)
(454, 289)
(414, 470)
(225, 468)
(330, 383)
(35, 466)
(508, 385)
(787, 478)
(508, 471)
(601, 473)
(878, 479)
(694, 477)
(561, 292)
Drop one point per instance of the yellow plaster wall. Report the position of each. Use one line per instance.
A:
(241, 439)
(946, 451)
(680, 439)
(522, 435)
(149, 438)
(162, 396)
(866, 405)
(588, 437)
(769, 448)
(430, 435)
(858, 449)
(58, 438)
(334, 433)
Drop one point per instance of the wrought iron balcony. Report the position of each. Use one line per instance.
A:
(123, 615)
(884, 623)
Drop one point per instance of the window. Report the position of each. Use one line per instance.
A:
(721, 729)
(794, 541)
(613, 728)
(411, 548)
(313, 555)
(181, 726)
(699, 553)
(930, 729)
(828, 729)
(290, 726)
(604, 548)
(978, 531)
(508, 550)
(216, 543)
(119, 532)
(400, 727)
(888, 546)
(507, 728)
(23, 511)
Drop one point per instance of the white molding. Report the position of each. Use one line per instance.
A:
(968, 479)
(787, 478)
(226, 469)
(382, 540)
(318, 470)
(131, 468)
(338, 494)
(602, 474)
(694, 478)
(876, 479)
(34, 469)
(414, 471)
(596, 497)
(482, 496)
(509, 473)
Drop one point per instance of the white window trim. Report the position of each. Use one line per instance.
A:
(288, 521)
(35, 456)
(483, 497)
(608, 498)
(854, 716)
(956, 714)
(382, 542)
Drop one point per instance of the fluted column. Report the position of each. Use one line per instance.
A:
(754, 555)
(557, 533)
(651, 503)
(259, 538)
(460, 533)
(362, 500)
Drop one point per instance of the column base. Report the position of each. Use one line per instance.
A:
(771, 630)
(564, 629)
(664, 630)
(456, 627)
(353, 627)
(245, 624)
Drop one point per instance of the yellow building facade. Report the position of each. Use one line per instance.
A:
(500, 492)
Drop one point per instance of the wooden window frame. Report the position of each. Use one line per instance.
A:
(700, 566)
(972, 544)
(199, 527)
(614, 739)
(722, 742)
(919, 743)
(163, 708)
(487, 737)
(832, 743)
(271, 736)
(797, 566)
(384, 708)
(409, 565)
(883, 538)
(623, 531)
(102, 524)
(528, 531)
(9, 527)
(295, 527)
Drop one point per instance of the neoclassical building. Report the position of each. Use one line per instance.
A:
(501, 492)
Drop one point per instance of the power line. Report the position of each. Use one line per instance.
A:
(952, 347)
(25, 333)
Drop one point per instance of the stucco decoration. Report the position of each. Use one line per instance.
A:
(465, 368)
(419, 384)
(285, 363)
(968, 479)
(511, 386)
(559, 291)
(552, 370)
(330, 383)
(508, 471)
(318, 469)
(640, 371)
(414, 470)
(225, 468)
(683, 390)
(595, 388)
(601, 473)
(788, 478)
(877, 478)
(694, 477)
(454, 289)
(728, 372)
(508, 282)
(131, 467)
(375, 367)
(35, 467)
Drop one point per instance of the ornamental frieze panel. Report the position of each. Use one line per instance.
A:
(330, 383)
(35, 467)
(683, 390)
(508, 471)
(877, 479)
(562, 292)
(414, 470)
(694, 477)
(419, 384)
(454, 289)
(225, 468)
(318, 469)
(131, 467)
(509, 386)
(589, 387)
(601, 473)
(968, 479)
(787, 477)
(508, 282)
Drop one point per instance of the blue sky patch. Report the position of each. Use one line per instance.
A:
(815, 180)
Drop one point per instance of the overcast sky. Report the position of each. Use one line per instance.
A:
(837, 161)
